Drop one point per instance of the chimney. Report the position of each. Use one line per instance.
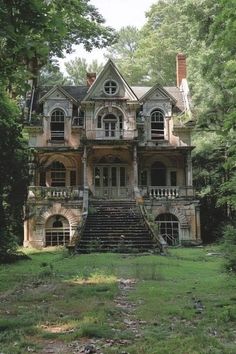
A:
(91, 77)
(181, 69)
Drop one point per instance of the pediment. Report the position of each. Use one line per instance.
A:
(57, 93)
(157, 93)
(110, 74)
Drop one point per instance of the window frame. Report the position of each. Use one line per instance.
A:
(108, 85)
(157, 133)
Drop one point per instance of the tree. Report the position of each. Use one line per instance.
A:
(123, 53)
(32, 32)
(78, 68)
(13, 175)
(51, 75)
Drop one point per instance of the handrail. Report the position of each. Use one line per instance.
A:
(80, 229)
(162, 245)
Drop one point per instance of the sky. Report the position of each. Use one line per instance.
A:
(117, 13)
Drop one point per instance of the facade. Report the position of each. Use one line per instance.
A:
(110, 141)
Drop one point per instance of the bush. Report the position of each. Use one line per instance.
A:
(229, 247)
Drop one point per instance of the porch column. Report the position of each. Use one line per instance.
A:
(84, 160)
(189, 170)
(32, 170)
(135, 166)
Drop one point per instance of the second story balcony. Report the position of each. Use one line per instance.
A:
(111, 134)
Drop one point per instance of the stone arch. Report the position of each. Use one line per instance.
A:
(176, 212)
(68, 161)
(58, 209)
(110, 109)
(163, 159)
(59, 107)
(157, 108)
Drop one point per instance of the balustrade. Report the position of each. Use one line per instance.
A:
(166, 192)
(56, 192)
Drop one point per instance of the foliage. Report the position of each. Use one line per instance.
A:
(50, 75)
(78, 68)
(32, 32)
(124, 54)
(229, 247)
(13, 174)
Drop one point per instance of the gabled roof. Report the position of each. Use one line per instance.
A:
(173, 91)
(60, 89)
(159, 89)
(110, 65)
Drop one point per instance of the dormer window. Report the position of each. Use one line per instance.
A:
(110, 87)
(157, 125)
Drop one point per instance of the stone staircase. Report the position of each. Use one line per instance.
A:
(115, 226)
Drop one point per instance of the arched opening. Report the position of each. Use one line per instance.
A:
(158, 174)
(57, 231)
(168, 228)
(157, 125)
(57, 125)
(110, 125)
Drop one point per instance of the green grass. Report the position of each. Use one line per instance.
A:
(63, 298)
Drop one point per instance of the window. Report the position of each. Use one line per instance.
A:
(173, 178)
(110, 87)
(143, 178)
(58, 174)
(157, 125)
(158, 174)
(99, 122)
(110, 122)
(72, 178)
(57, 231)
(57, 125)
(168, 228)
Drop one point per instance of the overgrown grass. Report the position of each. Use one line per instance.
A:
(62, 298)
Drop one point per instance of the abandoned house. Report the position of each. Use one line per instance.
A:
(111, 165)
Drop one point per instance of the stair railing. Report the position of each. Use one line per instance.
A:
(153, 228)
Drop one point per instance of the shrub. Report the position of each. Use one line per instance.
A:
(229, 247)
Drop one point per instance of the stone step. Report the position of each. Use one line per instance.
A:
(107, 221)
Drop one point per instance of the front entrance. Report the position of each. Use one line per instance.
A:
(110, 181)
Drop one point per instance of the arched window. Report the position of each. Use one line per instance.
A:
(168, 228)
(158, 174)
(57, 231)
(58, 174)
(157, 125)
(110, 125)
(57, 125)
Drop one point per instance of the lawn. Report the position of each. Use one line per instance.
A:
(56, 303)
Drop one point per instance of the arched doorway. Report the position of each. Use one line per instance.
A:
(168, 228)
(158, 174)
(57, 231)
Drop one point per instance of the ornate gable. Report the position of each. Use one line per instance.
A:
(110, 85)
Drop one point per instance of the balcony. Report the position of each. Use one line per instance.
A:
(166, 192)
(55, 193)
(112, 134)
